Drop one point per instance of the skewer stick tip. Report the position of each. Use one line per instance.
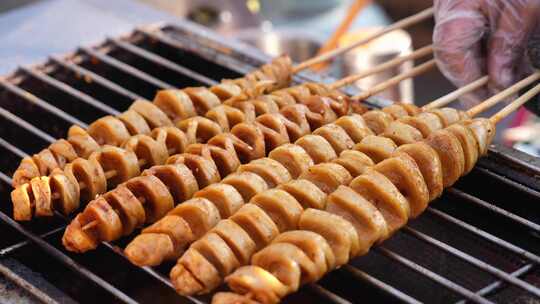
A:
(495, 99)
(426, 66)
(513, 106)
(448, 98)
(424, 51)
(427, 13)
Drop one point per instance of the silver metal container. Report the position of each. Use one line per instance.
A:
(297, 44)
(380, 50)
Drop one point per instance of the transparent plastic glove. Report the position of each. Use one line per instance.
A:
(477, 37)
(533, 52)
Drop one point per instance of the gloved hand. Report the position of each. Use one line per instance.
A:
(533, 52)
(473, 38)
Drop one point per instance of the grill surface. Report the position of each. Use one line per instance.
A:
(479, 242)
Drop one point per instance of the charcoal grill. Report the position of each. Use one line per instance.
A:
(480, 242)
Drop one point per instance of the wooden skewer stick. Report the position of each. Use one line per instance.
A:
(94, 223)
(514, 105)
(495, 99)
(396, 79)
(495, 118)
(448, 98)
(485, 105)
(403, 23)
(108, 175)
(331, 44)
(413, 72)
(382, 67)
(90, 225)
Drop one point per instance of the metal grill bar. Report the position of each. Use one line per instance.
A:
(5, 178)
(473, 261)
(433, 276)
(160, 277)
(131, 47)
(41, 103)
(163, 62)
(40, 295)
(359, 274)
(8, 250)
(510, 182)
(148, 270)
(178, 44)
(160, 37)
(96, 78)
(328, 294)
(64, 259)
(23, 124)
(496, 285)
(487, 236)
(12, 148)
(106, 244)
(127, 68)
(317, 288)
(515, 218)
(66, 219)
(520, 162)
(71, 91)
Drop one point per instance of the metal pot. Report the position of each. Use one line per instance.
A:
(297, 44)
(380, 50)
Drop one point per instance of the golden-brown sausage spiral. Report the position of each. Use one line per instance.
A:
(224, 153)
(285, 162)
(84, 179)
(296, 257)
(293, 121)
(337, 137)
(390, 192)
(169, 106)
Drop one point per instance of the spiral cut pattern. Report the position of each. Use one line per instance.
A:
(202, 267)
(82, 179)
(164, 240)
(373, 206)
(168, 107)
(36, 197)
(200, 166)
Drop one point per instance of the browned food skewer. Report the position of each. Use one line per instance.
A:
(108, 175)
(146, 250)
(354, 216)
(155, 245)
(77, 240)
(171, 105)
(143, 117)
(195, 129)
(201, 268)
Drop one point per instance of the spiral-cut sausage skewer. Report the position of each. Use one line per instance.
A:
(168, 107)
(66, 188)
(151, 247)
(367, 211)
(207, 163)
(190, 277)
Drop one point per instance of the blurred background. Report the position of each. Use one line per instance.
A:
(298, 28)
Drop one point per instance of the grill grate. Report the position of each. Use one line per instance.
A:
(479, 241)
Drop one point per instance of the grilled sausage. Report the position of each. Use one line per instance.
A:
(289, 261)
